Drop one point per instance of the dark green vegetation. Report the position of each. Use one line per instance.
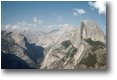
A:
(66, 43)
(90, 60)
(96, 44)
(96, 55)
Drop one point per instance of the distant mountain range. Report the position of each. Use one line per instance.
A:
(69, 47)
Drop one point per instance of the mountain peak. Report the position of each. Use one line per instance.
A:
(89, 29)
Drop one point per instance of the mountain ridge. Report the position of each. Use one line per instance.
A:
(65, 48)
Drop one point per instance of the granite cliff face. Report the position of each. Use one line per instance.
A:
(76, 44)
(70, 47)
(89, 29)
(16, 49)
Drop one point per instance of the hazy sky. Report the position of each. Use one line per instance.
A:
(48, 14)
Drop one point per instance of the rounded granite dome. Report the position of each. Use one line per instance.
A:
(89, 29)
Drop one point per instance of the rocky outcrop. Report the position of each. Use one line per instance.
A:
(16, 44)
(75, 46)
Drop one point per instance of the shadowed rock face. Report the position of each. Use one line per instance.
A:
(20, 53)
(11, 61)
(34, 52)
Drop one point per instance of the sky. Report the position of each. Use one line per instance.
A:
(52, 14)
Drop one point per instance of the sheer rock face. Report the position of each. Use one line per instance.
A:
(61, 57)
(89, 29)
